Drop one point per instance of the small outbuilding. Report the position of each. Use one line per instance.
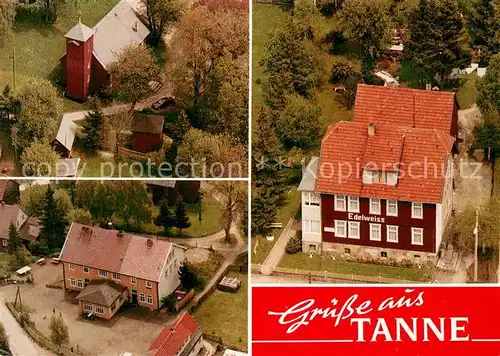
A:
(103, 298)
(147, 132)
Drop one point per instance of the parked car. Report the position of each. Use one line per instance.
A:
(165, 102)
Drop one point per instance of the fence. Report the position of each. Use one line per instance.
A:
(42, 340)
(274, 2)
(125, 152)
(331, 277)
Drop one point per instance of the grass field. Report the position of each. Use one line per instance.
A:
(304, 262)
(38, 46)
(224, 314)
(287, 211)
(211, 218)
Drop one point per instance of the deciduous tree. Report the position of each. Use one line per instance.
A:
(306, 17)
(39, 113)
(80, 216)
(202, 36)
(188, 278)
(39, 159)
(298, 123)
(369, 22)
(58, 330)
(132, 73)
(234, 199)
(160, 14)
(488, 88)
(484, 26)
(207, 155)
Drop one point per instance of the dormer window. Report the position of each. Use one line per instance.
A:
(379, 177)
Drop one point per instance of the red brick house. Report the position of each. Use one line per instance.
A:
(147, 132)
(90, 51)
(382, 186)
(104, 265)
(181, 337)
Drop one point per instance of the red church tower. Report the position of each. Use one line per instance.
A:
(79, 47)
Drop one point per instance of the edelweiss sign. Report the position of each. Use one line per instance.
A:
(388, 320)
(360, 217)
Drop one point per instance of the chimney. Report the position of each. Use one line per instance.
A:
(149, 243)
(371, 129)
(120, 233)
(86, 231)
(428, 86)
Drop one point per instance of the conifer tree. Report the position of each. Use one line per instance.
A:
(53, 221)
(14, 241)
(93, 128)
(436, 44)
(484, 27)
(165, 218)
(181, 215)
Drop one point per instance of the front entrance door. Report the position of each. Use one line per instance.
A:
(134, 296)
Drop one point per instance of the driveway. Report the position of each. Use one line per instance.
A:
(19, 342)
(273, 259)
(131, 330)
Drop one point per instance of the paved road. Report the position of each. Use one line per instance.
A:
(20, 343)
(273, 259)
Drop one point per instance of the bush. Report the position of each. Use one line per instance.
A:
(294, 245)
(39, 248)
(30, 13)
(367, 66)
(341, 71)
(336, 41)
(169, 301)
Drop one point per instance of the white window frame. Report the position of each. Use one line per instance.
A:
(318, 225)
(72, 282)
(5, 243)
(349, 201)
(149, 285)
(80, 283)
(102, 273)
(115, 276)
(358, 226)
(142, 298)
(414, 230)
(86, 269)
(415, 205)
(148, 298)
(99, 309)
(71, 267)
(392, 228)
(88, 307)
(373, 200)
(340, 198)
(312, 199)
(337, 224)
(388, 202)
(133, 280)
(379, 232)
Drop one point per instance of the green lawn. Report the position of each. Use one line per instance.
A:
(289, 210)
(39, 46)
(224, 314)
(265, 20)
(467, 93)
(316, 263)
(4, 264)
(211, 218)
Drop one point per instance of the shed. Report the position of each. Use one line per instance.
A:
(65, 137)
(147, 132)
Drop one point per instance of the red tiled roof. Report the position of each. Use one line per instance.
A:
(102, 249)
(347, 148)
(8, 214)
(427, 109)
(173, 337)
(3, 187)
